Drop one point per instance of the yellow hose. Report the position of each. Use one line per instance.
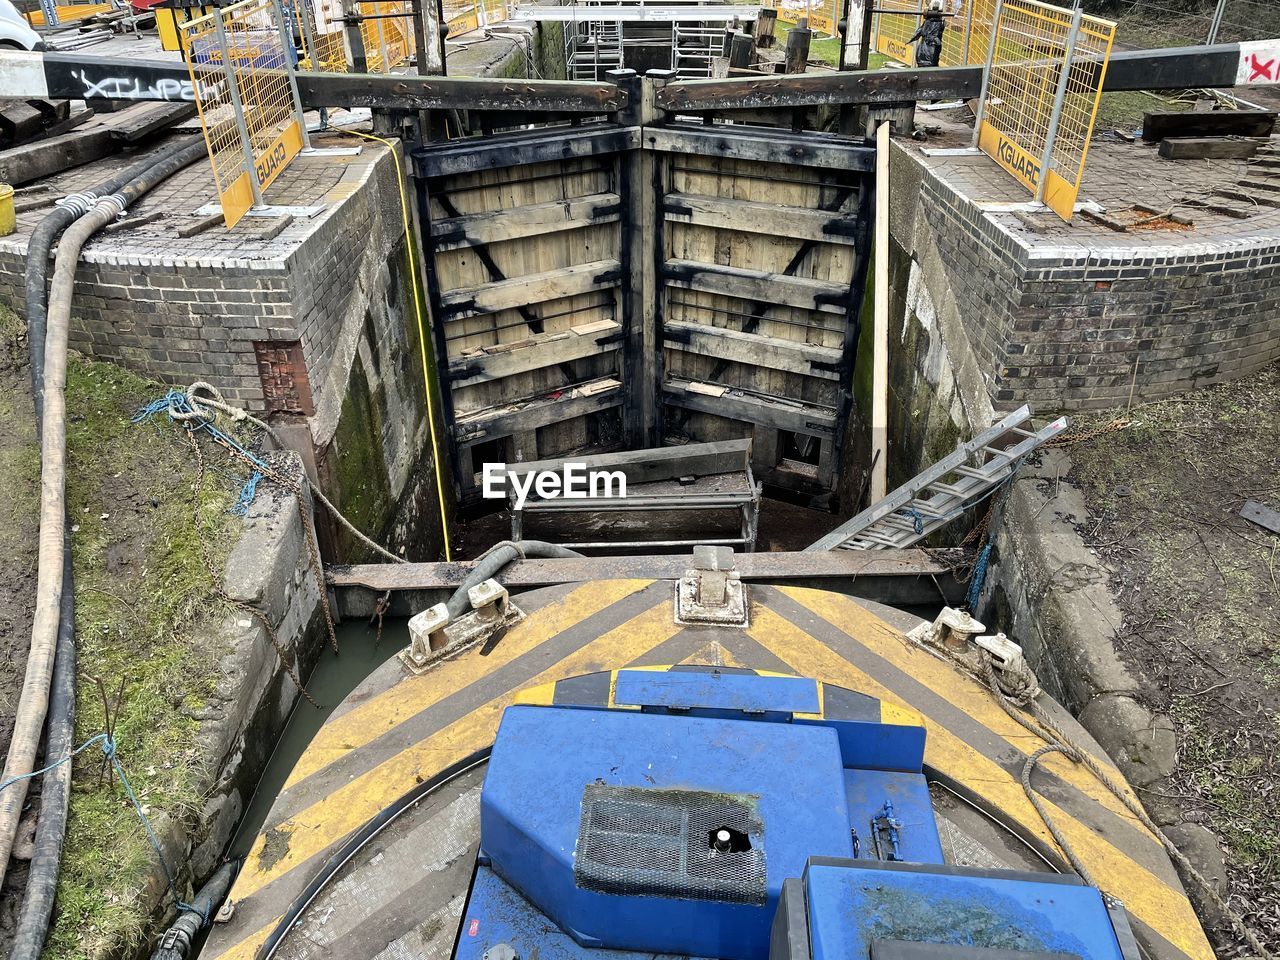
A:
(422, 335)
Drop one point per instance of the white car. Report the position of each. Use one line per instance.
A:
(15, 32)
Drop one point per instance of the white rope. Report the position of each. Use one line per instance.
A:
(206, 398)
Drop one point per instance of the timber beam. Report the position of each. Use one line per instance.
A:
(1217, 66)
(75, 76)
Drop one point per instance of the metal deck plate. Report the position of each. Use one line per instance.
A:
(396, 731)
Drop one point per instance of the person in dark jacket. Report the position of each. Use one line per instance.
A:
(932, 26)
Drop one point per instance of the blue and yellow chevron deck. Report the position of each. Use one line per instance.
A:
(397, 731)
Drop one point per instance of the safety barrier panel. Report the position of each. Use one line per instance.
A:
(385, 35)
(241, 60)
(965, 41)
(1040, 96)
(823, 15)
(464, 16)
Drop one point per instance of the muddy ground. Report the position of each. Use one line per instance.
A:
(1199, 587)
(19, 524)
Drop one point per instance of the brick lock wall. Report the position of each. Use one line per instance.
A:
(1062, 327)
(177, 321)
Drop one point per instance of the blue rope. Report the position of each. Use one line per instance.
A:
(175, 401)
(109, 751)
(979, 575)
(247, 493)
(916, 516)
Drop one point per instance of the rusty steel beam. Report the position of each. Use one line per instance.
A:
(913, 577)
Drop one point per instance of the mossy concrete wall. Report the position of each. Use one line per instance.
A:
(507, 54)
(937, 388)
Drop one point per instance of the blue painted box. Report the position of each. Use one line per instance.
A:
(609, 823)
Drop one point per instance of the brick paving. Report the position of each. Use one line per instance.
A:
(325, 181)
(1117, 175)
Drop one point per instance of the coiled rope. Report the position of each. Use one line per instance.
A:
(108, 746)
(200, 404)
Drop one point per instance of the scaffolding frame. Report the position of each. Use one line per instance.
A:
(593, 45)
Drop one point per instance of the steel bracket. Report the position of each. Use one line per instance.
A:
(712, 591)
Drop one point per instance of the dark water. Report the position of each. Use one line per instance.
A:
(334, 677)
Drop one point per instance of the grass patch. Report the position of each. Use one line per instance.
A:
(825, 49)
(1200, 591)
(1123, 111)
(142, 588)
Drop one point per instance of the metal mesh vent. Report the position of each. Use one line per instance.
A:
(657, 843)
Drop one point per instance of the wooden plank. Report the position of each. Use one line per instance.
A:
(543, 352)
(535, 288)
(880, 331)
(770, 412)
(1261, 514)
(761, 145)
(756, 285)
(908, 577)
(1220, 123)
(822, 89)
(768, 219)
(657, 463)
(722, 343)
(452, 233)
(539, 146)
(536, 413)
(1209, 67)
(1208, 148)
(44, 158)
(139, 122)
(408, 92)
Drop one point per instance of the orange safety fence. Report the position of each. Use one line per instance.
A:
(386, 35)
(823, 15)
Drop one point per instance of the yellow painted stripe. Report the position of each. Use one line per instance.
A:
(957, 688)
(365, 723)
(337, 814)
(543, 695)
(247, 948)
(1149, 898)
(892, 713)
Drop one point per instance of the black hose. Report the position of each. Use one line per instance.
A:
(42, 878)
(175, 944)
(497, 557)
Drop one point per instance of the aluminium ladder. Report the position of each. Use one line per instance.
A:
(936, 496)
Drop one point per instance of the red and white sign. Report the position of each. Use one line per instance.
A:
(1259, 63)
